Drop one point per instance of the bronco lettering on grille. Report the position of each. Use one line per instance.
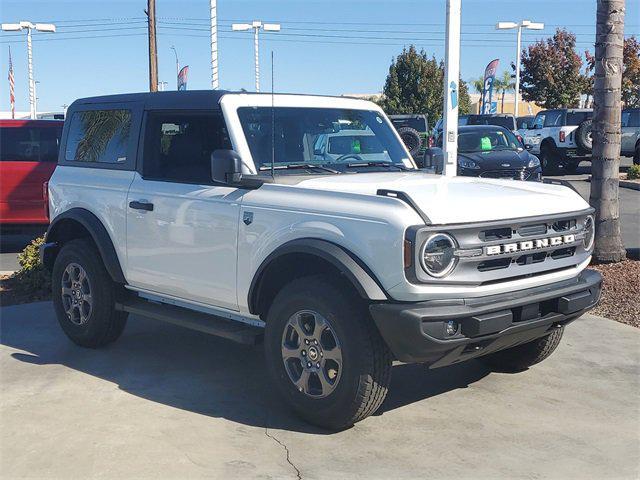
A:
(529, 245)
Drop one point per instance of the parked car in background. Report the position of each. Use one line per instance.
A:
(437, 129)
(491, 151)
(28, 156)
(414, 132)
(505, 120)
(630, 140)
(561, 138)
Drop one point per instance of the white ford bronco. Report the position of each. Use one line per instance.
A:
(221, 212)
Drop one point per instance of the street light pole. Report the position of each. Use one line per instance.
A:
(451, 95)
(511, 25)
(177, 64)
(256, 25)
(28, 26)
(214, 45)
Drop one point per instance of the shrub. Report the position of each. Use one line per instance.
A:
(32, 277)
(634, 172)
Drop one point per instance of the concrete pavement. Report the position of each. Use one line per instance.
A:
(164, 402)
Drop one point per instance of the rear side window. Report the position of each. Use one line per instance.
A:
(99, 136)
(576, 118)
(178, 146)
(631, 118)
(553, 118)
(30, 144)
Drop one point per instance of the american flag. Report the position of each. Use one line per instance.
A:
(12, 86)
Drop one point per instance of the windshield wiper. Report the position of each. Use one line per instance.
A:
(293, 166)
(379, 163)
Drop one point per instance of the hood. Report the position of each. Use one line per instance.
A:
(498, 159)
(458, 199)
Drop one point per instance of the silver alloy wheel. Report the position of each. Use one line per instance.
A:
(311, 354)
(76, 294)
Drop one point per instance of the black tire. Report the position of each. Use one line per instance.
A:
(412, 140)
(636, 155)
(548, 161)
(521, 357)
(571, 167)
(103, 324)
(583, 135)
(366, 361)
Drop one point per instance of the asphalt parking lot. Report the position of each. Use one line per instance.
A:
(165, 402)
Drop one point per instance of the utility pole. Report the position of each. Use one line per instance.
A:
(451, 92)
(177, 64)
(256, 25)
(153, 50)
(28, 26)
(523, 24)
(214, 45)
(607, 92)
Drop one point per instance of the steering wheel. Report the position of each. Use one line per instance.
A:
(342, 158)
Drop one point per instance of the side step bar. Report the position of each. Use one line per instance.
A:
(237, 331)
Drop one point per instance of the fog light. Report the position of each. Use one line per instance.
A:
(451, 328)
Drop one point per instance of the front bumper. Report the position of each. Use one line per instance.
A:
(415, 332)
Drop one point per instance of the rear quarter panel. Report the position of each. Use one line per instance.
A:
(22, 193)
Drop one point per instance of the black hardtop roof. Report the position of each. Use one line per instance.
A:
(480, 127)
(187, 99)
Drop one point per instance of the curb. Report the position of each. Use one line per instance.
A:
(622, 184)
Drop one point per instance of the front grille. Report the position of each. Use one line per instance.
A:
(508, 174)
(533, 254)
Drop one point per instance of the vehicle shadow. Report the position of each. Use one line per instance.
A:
(196, 372)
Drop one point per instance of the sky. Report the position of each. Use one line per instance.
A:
(325, 47)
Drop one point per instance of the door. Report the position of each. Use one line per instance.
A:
(182, 229)
(534, 135)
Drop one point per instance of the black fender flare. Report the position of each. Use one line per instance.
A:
(346, 263)
(98, 234)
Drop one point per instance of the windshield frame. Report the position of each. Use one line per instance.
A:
(231, 102)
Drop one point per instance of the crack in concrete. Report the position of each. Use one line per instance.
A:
(286, 449)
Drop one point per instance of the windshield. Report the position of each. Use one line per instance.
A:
(320, 136)
(486, 140)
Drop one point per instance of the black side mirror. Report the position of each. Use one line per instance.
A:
(433, 159)
(226, 168)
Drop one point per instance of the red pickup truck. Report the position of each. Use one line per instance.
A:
(28, 156)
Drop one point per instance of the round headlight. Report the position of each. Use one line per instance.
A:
(437, 255)
(589, 232)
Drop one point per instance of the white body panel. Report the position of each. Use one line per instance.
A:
(186, 246)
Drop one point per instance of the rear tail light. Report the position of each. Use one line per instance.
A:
(520, 138)
(562, 136)
(431, 142)
(45, 198)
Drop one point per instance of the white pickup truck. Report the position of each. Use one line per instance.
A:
(217, 211)
(561, 138)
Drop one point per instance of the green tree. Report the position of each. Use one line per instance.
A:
(550, 73)
(414, 84)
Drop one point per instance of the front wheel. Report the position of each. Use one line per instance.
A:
(324, 353)
(84, 294)
(521, 357)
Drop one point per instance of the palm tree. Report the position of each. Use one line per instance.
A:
(478, 86)
(606, 130)
(503, 85)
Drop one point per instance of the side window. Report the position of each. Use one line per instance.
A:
(634, 120)
(99, 136)
(539, 120)
(626, 118)
(553, 118)
(178, 146)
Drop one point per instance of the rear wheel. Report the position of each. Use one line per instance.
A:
(636, 155)
(84, 296)
(548, 160)
(324, 354)
(523, 356)
(412, 140)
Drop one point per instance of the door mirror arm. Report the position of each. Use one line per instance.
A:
(226, 168)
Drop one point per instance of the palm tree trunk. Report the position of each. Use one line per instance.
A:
(606, 130)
